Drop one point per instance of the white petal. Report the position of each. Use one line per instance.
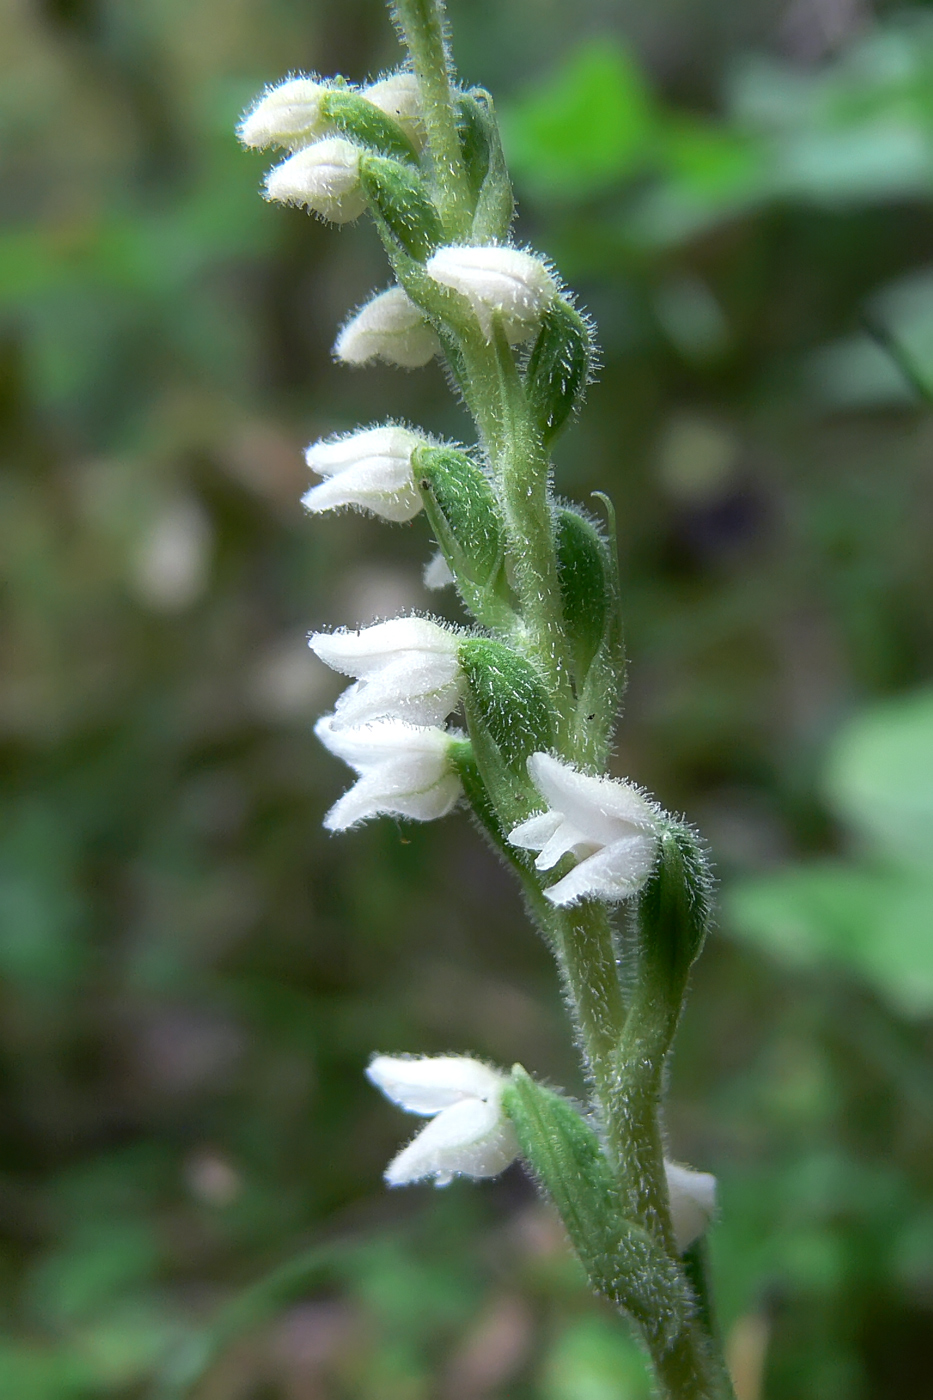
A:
(506, 282)
(370, 470)
(399, 96)
(693, 1202)
(533, 834)
(404, 769)
(613, 873)
(604, 809)
(370, 649)
(331, 456)
(288, 115)
(391, 328)
(427, 1083)
(471, 1138)
(324, 177)
(436, 574)
(421, 690)
(364, 488)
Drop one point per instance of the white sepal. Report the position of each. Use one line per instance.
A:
(605, 822)
(287, 115)
(406, 668)
(505, 283)
(693, 1202)
(399, 97)
(469, 1135)
(323, 177)
(391, 328)
(404, 769)
(370, 469)
(436, 573)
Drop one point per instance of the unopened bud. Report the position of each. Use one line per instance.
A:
(399, 96)
(502, 285)
(486, 169)
(287, 115)
(390, 328)
(324, 178)
(559, 366)
(399, 196)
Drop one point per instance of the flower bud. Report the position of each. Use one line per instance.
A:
(502, 285)
(559, 366)
(324, 178)
(399, 96)
(390, 328)
(398, 196)
(406, 668)
(468, 1135)
(287, 115)
(485, 164)
(370, 469)
(404, 770)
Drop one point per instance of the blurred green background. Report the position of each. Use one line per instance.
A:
(193, 974)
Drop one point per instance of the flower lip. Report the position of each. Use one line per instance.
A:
(607, 824)
(287, 114)
(406, 668)
(404, 770)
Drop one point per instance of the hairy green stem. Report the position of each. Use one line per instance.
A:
(422, 24)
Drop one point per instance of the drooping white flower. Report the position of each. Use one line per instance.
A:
(469, 1135)
(404, 769)
(604, 822)
(391, 328)
(399, 96)
(406, 668)
(693, 1202)
(370, 469)
(436, 573)
(506, 283)
(323, 177)
(287, 115)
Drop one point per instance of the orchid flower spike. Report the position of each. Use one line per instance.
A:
(604, 822)
(503, 283)
(287, 115)
(693, 1203)
(399, 97)
(404, 770)
(390, 327)
(469, 1134)
(406, 668)
(323, 177)
(370, 469)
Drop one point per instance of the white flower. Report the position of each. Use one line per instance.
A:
(391, 328)
(468, 1134)
(403, 769)
(506, 283)
(406, 669)
(399, 96)
(288, 115)
(606, 823)
(436, 573)
(370, 469)
(693, 1202)
(324, 177)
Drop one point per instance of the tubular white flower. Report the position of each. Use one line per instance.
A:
(323, 177)
(404, 769)
(604, 822)
(693, 1202)
(469, 1135)
(506, 283)
(391, 328)
(370, 469)
(399, 97)
(287, 115)
(406, 668)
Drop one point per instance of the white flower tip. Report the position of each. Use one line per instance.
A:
(390, 327)
(500, 283)
(399, 97)
(288, 114)
(693, 1202)
(323, 177)
(437, 574)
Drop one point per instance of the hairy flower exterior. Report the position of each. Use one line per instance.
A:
(391, 328)
(693, 1203)
(469, 1135)
(504, 283)
(287, 115)
(605, 823)
(323, 177)
(370, 470)
(404, 770)
(405, 669)
(399, 97)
